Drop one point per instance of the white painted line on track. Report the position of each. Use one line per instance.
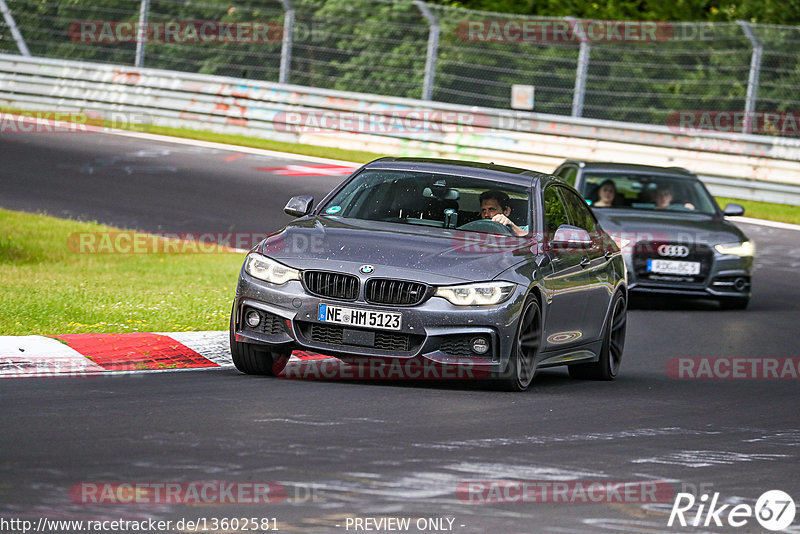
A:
(232, 148)
(183, 141)
(762, 222)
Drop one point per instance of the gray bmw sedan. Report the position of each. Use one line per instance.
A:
(498, 269)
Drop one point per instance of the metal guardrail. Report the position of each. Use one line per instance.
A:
(743, 166)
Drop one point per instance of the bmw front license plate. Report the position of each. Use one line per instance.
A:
(364, 318)
(686, 268)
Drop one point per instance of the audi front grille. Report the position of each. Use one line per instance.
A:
(664, 250)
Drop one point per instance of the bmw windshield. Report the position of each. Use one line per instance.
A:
(646, 192)
(429, 199)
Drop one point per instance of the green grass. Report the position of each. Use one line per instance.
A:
(48, 288)
(765, 210)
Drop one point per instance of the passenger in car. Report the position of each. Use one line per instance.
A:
(606, 193)
(495, 206)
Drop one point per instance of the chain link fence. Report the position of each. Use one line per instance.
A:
(471, 57)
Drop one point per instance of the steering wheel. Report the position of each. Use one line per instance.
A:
(488, 226)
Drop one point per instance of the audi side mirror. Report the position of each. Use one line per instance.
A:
(568, 236)
(299, 205)
(733, 210)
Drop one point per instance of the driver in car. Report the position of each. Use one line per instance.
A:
(495, 206)
(663, 199)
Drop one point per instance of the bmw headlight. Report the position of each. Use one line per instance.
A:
(738, 249)
(480, 294)
(271, 271)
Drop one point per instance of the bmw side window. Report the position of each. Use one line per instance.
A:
(554, 213)
(578, 212)
(568, 174)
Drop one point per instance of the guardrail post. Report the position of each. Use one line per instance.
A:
(752, 80)
(12, 26)
(433, 47)
(141, 34)
(286, 44)
(582, 69)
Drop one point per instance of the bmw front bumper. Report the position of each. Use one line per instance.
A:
(435, 329)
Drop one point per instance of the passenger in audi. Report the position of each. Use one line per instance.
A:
(495, 205)
(606, 193)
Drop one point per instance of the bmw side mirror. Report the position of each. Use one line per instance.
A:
(299, 205)
(568, 236)
(733, 210)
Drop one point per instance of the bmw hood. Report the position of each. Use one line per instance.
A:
(331, 243)
(683, 227)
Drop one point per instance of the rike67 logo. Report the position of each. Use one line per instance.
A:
(774, 510)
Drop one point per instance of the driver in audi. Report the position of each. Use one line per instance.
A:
(495, 206)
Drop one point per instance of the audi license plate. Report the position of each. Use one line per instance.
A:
(686, 268)
(365, 318)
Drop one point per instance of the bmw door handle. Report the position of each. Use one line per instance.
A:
(585, 261)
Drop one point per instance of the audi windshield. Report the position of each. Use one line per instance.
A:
(646, 192)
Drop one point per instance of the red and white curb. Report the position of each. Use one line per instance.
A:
(93, 354)
(84, 355)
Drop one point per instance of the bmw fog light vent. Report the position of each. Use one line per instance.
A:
(479, 345)
(252, 318)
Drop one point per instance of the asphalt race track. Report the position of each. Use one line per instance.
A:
(377, 450)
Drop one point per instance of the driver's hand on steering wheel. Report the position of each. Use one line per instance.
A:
(505, 221)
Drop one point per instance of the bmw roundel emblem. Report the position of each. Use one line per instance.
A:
(367, 269)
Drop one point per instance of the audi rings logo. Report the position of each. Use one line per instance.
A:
(673, 251)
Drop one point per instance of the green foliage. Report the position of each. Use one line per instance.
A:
(762, 11)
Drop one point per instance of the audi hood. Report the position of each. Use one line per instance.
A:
(678, 226)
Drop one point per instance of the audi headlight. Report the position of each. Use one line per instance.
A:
(481, 294)
(271, 271)
(738, 249)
